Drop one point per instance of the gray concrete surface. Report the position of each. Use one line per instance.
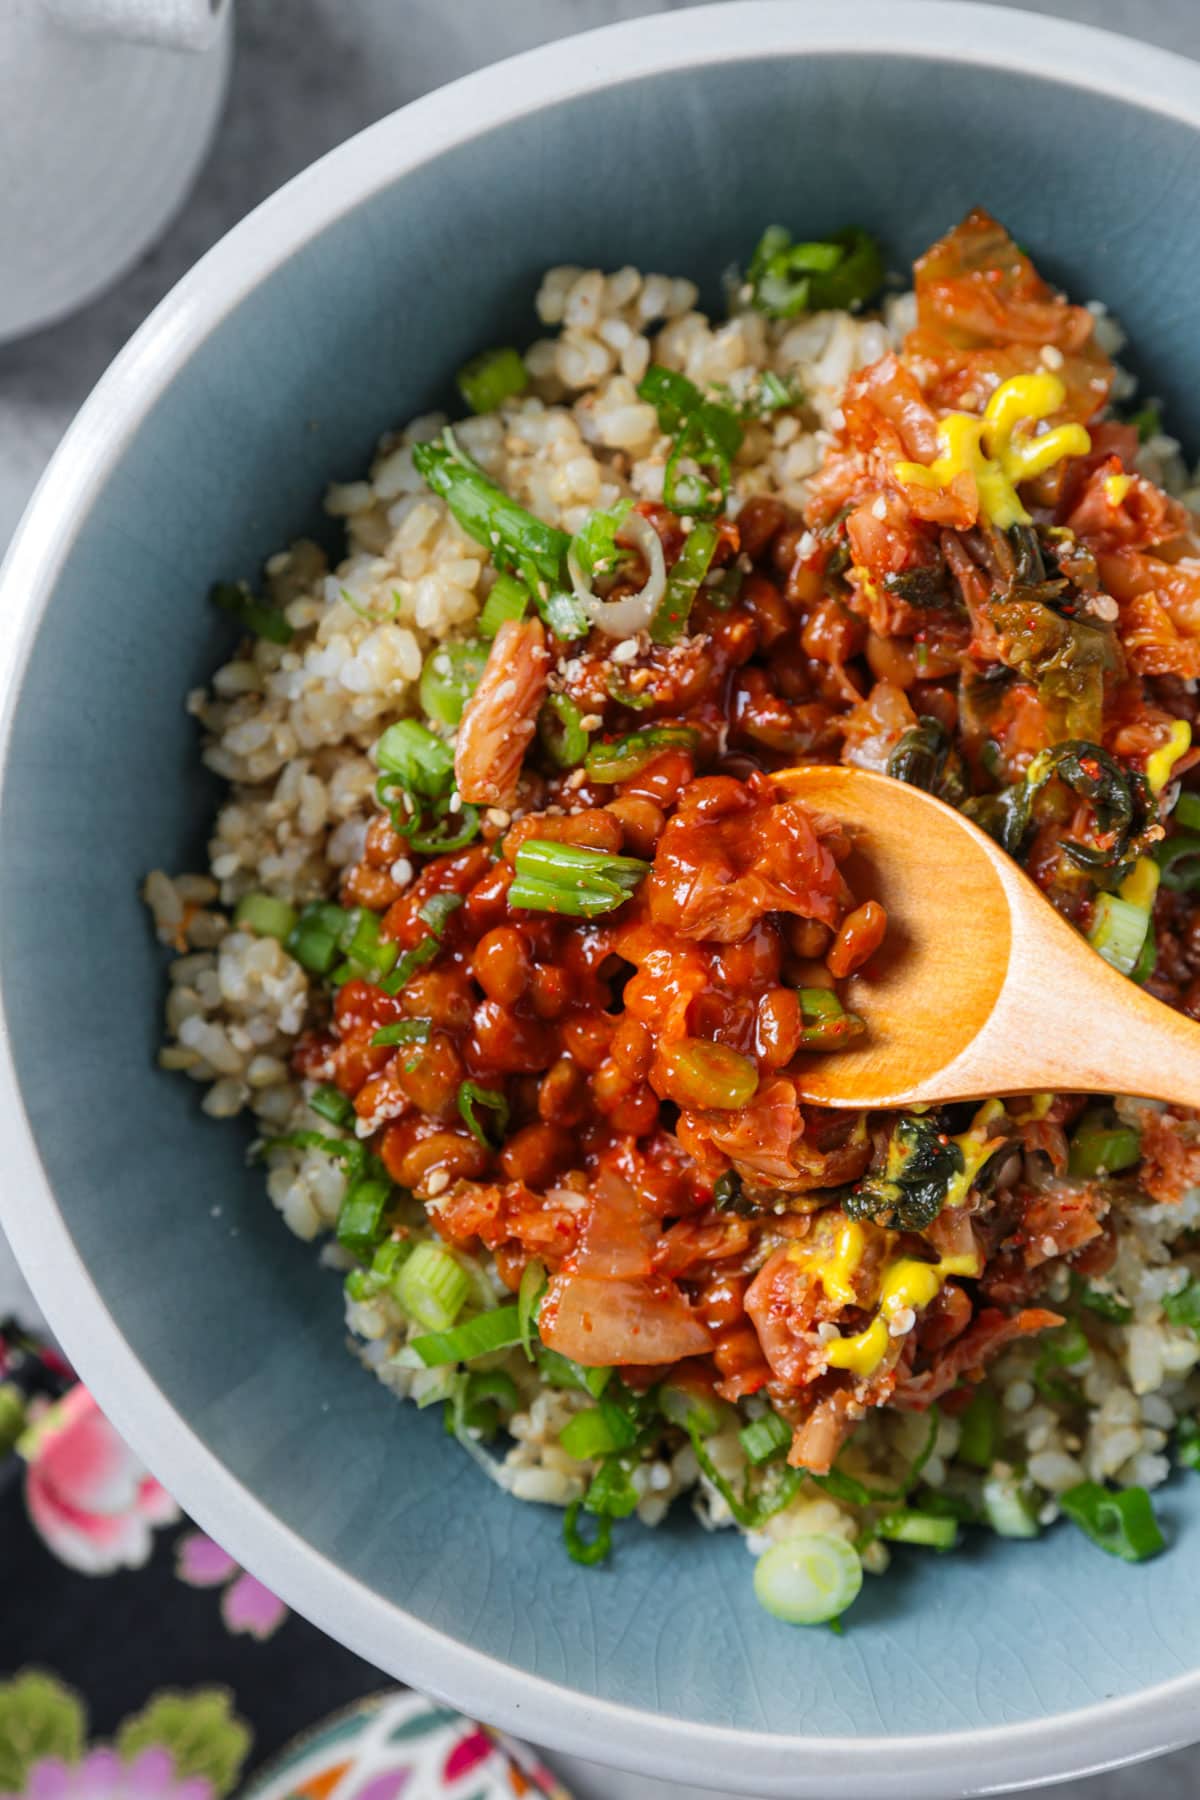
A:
(307, 74)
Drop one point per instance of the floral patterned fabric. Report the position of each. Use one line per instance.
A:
(139, 1662)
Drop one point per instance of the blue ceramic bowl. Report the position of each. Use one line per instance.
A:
(214, 1338)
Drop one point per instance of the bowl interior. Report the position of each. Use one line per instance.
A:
(233, 1317)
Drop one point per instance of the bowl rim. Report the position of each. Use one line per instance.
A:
(984, 1760)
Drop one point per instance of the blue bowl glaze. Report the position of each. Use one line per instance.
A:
(212, 1335)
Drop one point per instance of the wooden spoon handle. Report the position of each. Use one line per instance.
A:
(1066, 1020)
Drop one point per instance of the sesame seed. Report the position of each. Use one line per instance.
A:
(495, 537)
(837, 418)
(625, 651)
(879, 508)
(402, 871)
(827, 1331)
(575, 779)
(438, 1182)
(591, 722)
(901, 1322)
(1052, 356)
(456, 801)
(497, 816)
(1103, 606)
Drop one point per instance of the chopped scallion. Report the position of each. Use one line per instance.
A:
(580, 1549)
(516, 540)
(470, 1097)
(263, 621)
(480, 1336)
(449, 678)
(1187, 812)
(1100, 1149)
(688, 1406)
(683, 584)
(561, 732)
(403, 1031)
(1122, 1522)
(597, 1431)
(314, 939)
(979, 1430)
(808, 1580)
(571, 880)
(559, 1371)
(1183, 1309)
(437, 910)
(611, 1493)
(1187, 1444)
(422, 762)
(507, 602)
(707, 436)
(1118, 931)
(908, 1526)
(764, 1438)
(361, 1214)
(432, 1287)
(330, 1103)
(491, 378)
(266, 916)
(628, 756)
(827, 1024)
(529, 1300)
(1008, 1507)
(788, 278)
(1178, 856)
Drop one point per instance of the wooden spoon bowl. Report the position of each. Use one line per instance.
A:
(981, 987)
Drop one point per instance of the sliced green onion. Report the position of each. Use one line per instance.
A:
(314, 939)
(1118, 931)
(611, 1493)
(471, 1096)
(686, 1406)
(1147, 421)
(787, 278)
(437, 910)
(764, 1438)
(1183, 1308)
(529, 1299)
(629, 755)
(573, 881)
(827, 1024)
(408, 964)
(432, 1287)
(594, 548)
(808, 1580)
(1187, 1444)
(489, 1331)
(423, 763)
(263, 621)
(491, 378)
(1008, 1507)
(330, 1103)
(561, 613)
(560, 731)
(683, 584)
(449, 678)
(751, 1511)
(507, 602)
(908, 1526)
(486, 1395)
(1187, 812)
(1147, 960)
(265, 916)
(696, 1072)
(516, 540)
(1107, 1306)
(1120, 1522)
(1179, 857)
(1099, 1149)
(368, 955)
(404, 1031)
(579, 1549)
(706, 433)
(560, 1372)
(979, 1430)
(945, 1504)
(598, 1432)
(361, 1214)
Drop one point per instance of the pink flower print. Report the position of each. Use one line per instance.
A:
(104, 1775)
(246, 1605)
(88, 1496)
(467, 1754)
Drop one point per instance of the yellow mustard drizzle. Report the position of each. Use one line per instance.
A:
(1141, 884)
(1160, 763)
(999, 449)
(976, 1144)
(833, 1261)
(1116, 487)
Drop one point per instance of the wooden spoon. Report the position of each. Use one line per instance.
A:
(980, 987)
